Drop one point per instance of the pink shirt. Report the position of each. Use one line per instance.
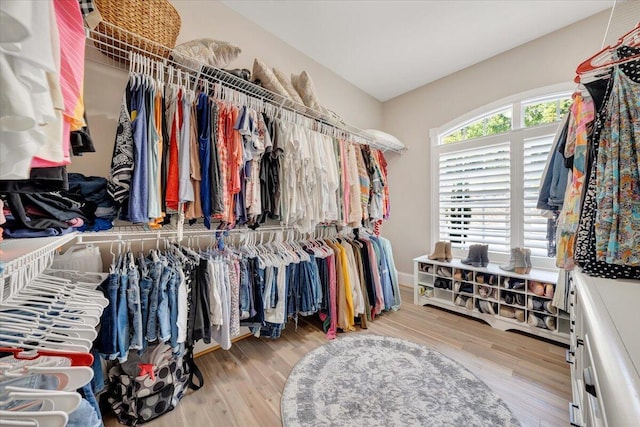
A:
(72, 40)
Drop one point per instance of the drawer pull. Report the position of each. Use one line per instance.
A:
(579, 341)
(572, 415)
(568, 355)
(589, 384)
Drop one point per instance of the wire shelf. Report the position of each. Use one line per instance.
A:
(113, 46)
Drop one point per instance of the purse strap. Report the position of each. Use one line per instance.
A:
(194, 371)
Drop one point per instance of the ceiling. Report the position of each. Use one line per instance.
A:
(387, 48)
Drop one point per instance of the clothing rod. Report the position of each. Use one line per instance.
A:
(109, 48)
(167, 234)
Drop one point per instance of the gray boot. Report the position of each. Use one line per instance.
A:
(474, 257)
(484, 258)
(516, 262)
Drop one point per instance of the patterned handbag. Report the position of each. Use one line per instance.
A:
(137, 400)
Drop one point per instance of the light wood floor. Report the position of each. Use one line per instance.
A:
(243, 385)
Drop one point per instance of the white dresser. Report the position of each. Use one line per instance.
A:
(604, 352)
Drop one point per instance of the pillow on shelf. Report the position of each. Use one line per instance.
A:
(286, 84)
(216, 53)
(268, 79)
(304, 86)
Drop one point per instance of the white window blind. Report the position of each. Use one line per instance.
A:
(536, 151)
(474, 196)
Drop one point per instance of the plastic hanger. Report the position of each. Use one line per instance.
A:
(54, 304)
(45, 418)
(19, 423)
(65, 401)
(67, 292)
(606, 58)
(70, 378)
(40, 310)
(75, 358)
(37, 318)
(34, 340)
(32, 329)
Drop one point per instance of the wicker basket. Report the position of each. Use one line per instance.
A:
(150, 25)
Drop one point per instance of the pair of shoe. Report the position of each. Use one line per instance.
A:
(464, 301)
(463, 287)
(487, 307)
(513, 283)
(538, 304)
(442, 283)
(546, 322)
(478, 256)
(442, 252)
(425, 268)
(484, 291)
(513, 298)
(512, 313)
(520, 261)
(443, 271)
(536, 288)
(549, 290)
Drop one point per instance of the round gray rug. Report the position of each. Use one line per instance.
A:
(370, 380)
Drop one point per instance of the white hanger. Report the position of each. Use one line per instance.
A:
(70, 378)
(73, 314)
(19, 423)
(36, 327)
(48, 418)
(40, 318)
(65, 401)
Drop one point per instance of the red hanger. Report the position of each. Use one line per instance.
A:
(604, 58)
(76, 358)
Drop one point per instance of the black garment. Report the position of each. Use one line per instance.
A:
(270, 174)
(190, 271)
(200, 292)
(41, 180)
(368, 276)
(256, 284)
(81, 141)
(32, 223)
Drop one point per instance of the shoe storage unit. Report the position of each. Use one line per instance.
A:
(503, 299)
(604, 353)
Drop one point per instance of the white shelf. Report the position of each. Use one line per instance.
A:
(444, 298)
(492, 268)
(16, 253)
(31, 256)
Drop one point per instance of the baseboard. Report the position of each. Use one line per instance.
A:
(405, 279)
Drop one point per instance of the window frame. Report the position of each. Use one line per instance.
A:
(516, 138)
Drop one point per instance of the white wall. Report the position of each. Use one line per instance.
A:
(549, 60)
(104, 86)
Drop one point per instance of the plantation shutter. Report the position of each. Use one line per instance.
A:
(475, 196)
(536, 151)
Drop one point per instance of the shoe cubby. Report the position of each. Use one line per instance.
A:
(505, 300)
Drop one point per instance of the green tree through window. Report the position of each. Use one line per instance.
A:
(545, 112)
(490, 125)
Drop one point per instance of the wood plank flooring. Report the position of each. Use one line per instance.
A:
(243, 385)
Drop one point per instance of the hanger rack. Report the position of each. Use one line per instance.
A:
(27, 256)
(113, 46)
(134, 233)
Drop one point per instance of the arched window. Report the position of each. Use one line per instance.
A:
(486, 173)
